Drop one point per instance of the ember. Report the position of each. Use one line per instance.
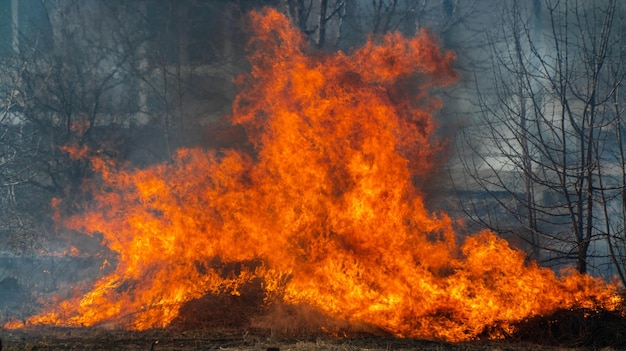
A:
(324, 212)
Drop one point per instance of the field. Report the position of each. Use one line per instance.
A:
(230, 322)
(99, 339)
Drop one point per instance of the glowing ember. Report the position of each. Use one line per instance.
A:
(325, 212)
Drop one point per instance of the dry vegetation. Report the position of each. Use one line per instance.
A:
(99, 339)
(244, 322)
(564, 330)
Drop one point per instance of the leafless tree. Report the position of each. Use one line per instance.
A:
(64, 85)
(186, 64)
(131, 81)
(319, 20)
(18, 149)
(547, 136)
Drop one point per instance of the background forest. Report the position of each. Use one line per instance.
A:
(536, 149)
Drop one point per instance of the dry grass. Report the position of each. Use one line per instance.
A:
(575, 328)
(101, 339)
(246, 322)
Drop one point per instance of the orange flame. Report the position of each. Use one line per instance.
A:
(325, 209)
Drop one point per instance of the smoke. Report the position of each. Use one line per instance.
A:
(321, 226)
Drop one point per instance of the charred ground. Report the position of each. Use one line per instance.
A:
(245, 322)
(570, 332)
(250, 321)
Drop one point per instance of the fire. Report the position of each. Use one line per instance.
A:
(325, 211)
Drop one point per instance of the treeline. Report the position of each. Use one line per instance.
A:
(536, 118)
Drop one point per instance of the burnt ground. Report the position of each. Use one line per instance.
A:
(99, 339)
(244, 322)
(228, 322)
(564, 330)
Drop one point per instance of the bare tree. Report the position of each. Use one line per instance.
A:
(319, 20)
(544, 154)
(186, 64)
(344, 23)
(64, 85)
(130, 81)
(18, 149)
(612, 179)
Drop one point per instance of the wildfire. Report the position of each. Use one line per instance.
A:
(324, 212)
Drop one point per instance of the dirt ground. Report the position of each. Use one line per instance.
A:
(155, 340)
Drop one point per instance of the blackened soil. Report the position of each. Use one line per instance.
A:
(46, 338)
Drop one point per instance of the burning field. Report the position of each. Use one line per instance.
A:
(319, 218)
